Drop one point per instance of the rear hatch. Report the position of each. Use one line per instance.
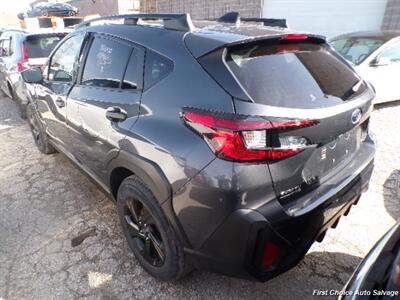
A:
(39, 46)
(315, 102)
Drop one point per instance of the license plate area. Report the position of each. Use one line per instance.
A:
(328, 157)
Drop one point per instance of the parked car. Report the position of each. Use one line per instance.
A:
(378, 275)
(20, 50)
(376, 57)
(230, 148)
(49, 9)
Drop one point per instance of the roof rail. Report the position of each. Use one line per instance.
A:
(179, 22)
(234, 17)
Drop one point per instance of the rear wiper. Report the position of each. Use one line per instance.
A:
(354, 89)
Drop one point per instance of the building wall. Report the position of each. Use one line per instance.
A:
(328, 17)
(392, 15)
(204, 9)
(7, 20)
(100, 7)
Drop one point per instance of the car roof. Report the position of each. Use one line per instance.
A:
(205, 37)
(47, 31)
(385, 35)
(39, 32)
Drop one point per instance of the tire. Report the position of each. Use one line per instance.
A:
(39, 135)
(71, 13)
(152, 229)
(11, 91)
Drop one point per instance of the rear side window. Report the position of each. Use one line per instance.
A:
(106, 63)
(293, 74)
(157, 68)
(41, 46)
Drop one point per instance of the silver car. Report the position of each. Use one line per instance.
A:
(376, 57)
(21, 50)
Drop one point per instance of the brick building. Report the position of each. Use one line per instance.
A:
(328, 17)
(392, 15)
(204, 9)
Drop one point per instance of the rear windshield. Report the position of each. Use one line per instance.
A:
(293, 74)
(357, 49)
(41, 46)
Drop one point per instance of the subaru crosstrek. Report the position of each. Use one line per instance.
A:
(226, 146)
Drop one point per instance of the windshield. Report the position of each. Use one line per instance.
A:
(357, 49)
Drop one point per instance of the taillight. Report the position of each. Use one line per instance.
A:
(23, 64)
(271, 253)
(245, 138)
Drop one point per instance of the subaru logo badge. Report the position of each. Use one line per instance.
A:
(356, 116)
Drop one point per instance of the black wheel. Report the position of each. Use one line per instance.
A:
(71, 13)
(149, 235)
(39, 135)
(45, 14)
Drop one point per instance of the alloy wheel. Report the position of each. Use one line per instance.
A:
(144, 232)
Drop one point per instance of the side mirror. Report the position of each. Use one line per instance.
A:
(33, 75)
(380, 61)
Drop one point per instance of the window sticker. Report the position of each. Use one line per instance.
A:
(104, 57)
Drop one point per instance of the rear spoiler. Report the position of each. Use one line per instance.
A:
(235, 18)
(313, 38)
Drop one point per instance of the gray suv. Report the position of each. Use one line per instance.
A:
(228, 146)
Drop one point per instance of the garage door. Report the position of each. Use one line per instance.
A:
(328, 17)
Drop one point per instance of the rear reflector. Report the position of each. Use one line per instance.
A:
(271, 254)
(245, 138)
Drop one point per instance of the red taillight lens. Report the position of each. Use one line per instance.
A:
(230, 145)
(271, 253)
(23, 64)
(225, 123)
(242, 138)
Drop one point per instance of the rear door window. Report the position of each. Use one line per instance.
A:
(106, 63)
(293, 74)
(41, 45)
(134, 71)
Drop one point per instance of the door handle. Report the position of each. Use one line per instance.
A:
(60, 102)
(116, 114)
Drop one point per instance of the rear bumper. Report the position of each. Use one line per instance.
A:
(236, 247)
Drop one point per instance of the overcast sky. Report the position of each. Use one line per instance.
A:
(13, 6)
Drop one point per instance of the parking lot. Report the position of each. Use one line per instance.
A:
(60, 236)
